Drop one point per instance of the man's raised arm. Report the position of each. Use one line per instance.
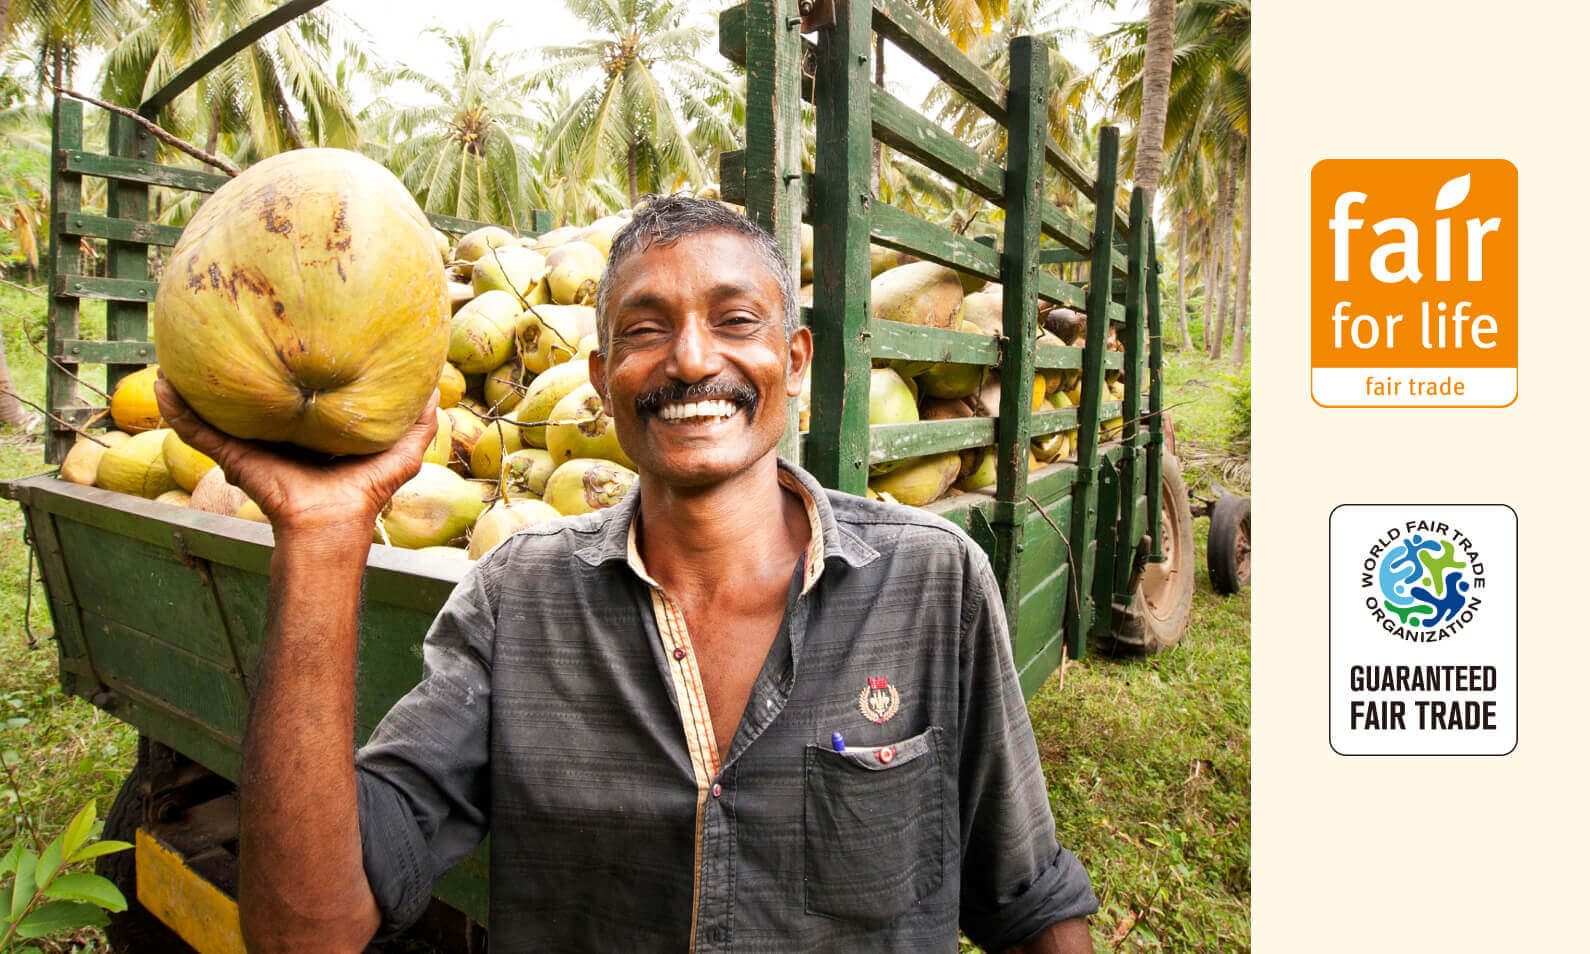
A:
(302, 884)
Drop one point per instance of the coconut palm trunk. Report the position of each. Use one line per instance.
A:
(1223, 217)
(1181, 283)
(1206, 259)
(1239, 344)
(1156, 97)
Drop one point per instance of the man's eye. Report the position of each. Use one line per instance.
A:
(739, 319)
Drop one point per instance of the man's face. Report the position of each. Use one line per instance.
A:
(698, 373)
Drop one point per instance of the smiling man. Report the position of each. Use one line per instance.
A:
(736, 712)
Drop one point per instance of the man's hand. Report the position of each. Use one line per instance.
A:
(295, 492)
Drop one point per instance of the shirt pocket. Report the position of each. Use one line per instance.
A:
(875, 839)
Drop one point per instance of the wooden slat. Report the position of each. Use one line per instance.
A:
(87, 351)
(108, 289)
(127, 319)
(899, 441)
(1072, 171)
(122, 230)
(925, 43)
(731, 36)
(907, 131)
(1083, 615)
(134, 170)
(841, 379)
(1050, 355)
(1132, 335)
(731, 170)
(897, 341)
(1054, 419)
(1024, 213)
(66, 199)
(1052, 289)
(1156, 363)
(901, 230)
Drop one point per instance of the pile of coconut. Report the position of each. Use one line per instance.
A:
(521, 436)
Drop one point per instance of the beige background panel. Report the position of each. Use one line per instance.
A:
(1400, 854)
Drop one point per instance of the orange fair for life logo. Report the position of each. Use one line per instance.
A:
(1413, 282)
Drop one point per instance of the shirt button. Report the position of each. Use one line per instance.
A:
(886, 754)
(717, 790)
(679, 654)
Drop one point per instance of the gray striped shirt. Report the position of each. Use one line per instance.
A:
(561, 707)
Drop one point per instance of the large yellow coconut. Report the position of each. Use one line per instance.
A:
(946, 380)
(890, 401)
(984, 310)
(550, 334)
(137, 466)
(132, 403)
(573, 271)
(81, 465)
(436, 506)
(525, 472)
(583, 485)
(543, 395)
(1051, 447)
(176, 498)
(921, 293)
(499, 439)
(920, 480)
(480, 241)
(502, 519)
(580, 428)
(510, 268)
(481, 334)
(979, 469)
(303, 304)
(214, 495)
(186, 465)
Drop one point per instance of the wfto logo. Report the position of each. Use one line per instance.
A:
(1423, 579)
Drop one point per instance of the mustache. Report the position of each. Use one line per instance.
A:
(712, 389)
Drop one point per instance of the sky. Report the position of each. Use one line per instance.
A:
(396, 30)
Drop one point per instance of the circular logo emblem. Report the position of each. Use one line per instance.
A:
(1423, 579)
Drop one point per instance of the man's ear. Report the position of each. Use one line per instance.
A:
(596, 363)
(800, 357)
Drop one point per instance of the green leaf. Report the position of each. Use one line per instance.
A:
(49, 863)
(24, 892)
(77, 832)
(61, 916)
(82, 886)
(8, 864)
(5, 907)
(100, 848)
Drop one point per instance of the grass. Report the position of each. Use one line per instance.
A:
(58, 750)
(1147, 761)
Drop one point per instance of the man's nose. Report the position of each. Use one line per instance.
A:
(694, 355)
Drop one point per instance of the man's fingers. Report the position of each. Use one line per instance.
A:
(420, 434)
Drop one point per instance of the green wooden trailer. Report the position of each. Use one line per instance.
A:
(159, 611)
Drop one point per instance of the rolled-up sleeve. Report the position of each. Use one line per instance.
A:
(422, 777)
(1016, 880)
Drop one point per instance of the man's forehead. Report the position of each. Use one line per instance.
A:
(727, 263)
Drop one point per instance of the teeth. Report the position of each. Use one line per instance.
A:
(684, 412)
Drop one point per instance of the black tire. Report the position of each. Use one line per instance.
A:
(135, 930)
(1230, 526)
(1162, 600)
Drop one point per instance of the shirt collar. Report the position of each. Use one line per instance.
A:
(616, 540)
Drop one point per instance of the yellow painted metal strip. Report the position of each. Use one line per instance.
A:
(202, 914)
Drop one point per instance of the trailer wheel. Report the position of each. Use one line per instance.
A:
(135, 930)
(1162, 600)
(1230, 524)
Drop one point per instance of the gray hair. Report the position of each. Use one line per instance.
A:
(665, 219)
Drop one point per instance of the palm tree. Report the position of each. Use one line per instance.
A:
(279, 93)
(646, 107)
(1159, 33)
(465, 149)
(58, 30)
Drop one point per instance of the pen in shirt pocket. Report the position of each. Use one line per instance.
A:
(839, 742)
